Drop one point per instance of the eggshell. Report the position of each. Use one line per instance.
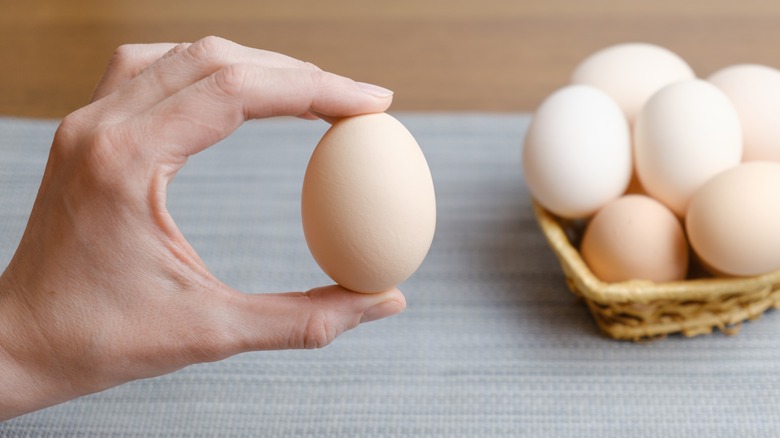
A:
(368, 203)
(685, 134)
(631, 72)
(754, 90)
(635, 238)
(577, 152)
(733, 222)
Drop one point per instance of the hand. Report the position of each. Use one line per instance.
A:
(103, 288)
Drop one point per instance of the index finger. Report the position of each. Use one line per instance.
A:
(212, 108)
(182, 66)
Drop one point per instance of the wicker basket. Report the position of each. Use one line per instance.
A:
(639, 310)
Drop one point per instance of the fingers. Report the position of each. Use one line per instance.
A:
(128, 62)
(170, 104)
(184, 65)
(305, 320)
(212, 108)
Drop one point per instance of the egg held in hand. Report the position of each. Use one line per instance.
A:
(635, 238)
(368, 205)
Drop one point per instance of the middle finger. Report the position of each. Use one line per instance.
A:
(171, 74)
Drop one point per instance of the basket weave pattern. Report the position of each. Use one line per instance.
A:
(638, 309)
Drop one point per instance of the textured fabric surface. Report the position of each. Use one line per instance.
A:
(492, 342)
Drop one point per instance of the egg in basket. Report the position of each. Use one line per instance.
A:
(659, 192)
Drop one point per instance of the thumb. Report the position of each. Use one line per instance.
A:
(310, 319)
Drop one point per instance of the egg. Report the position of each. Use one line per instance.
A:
(635, 238)
(754, 90)
(577, 152)
(631, 72)
(684, 135)
(368, 205)
(733, 222)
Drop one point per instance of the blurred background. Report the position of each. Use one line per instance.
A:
(437, 55)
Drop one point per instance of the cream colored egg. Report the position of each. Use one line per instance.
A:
(733, 222)
(577, 152)
(685, 134)
(368, 204)
(631, 72)
(754, 90)
(635, 238)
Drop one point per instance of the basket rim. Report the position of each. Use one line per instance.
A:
(640, 291)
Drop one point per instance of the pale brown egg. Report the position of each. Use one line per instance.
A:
(733, 222)
(635, 238)
(368, 204)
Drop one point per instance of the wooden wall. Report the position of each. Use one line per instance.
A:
(437, 55)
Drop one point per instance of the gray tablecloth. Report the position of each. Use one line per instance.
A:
(492, 342)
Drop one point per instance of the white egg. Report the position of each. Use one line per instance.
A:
(577, 152)
(631, 72)
(685, 134)
(754, 90)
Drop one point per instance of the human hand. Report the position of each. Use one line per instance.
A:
(103, 288)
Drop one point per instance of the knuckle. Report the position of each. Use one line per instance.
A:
(105, 159)
(76, 138)
(232, 80)
(210, 345)
(73, 136)
(205, 335)
(311, 66)
(214, 41)
(315, 84)
(68, 133)
(125, 52)
(210, 49)
(317, 79)
(90, 162)
(319, 331)
(178, 48)
(101, 156)
(124, 58)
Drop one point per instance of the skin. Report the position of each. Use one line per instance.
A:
(103, 288)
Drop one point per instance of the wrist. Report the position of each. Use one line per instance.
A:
(29, 380)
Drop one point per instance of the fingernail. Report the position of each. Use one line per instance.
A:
(374, 90)
(382, 310)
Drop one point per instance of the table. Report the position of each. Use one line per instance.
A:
(492, 343)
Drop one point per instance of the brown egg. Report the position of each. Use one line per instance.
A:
(635, 238)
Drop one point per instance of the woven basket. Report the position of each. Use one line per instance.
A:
(639, 310)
